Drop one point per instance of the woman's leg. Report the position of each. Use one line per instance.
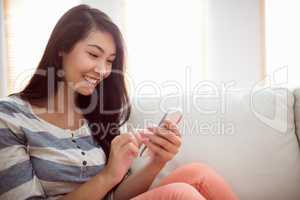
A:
(211, 185)
(172, 191)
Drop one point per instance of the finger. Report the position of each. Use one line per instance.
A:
(124, 139)
(157, 150)
(163, 143)
(139, 138)
(130, 149)
(116, 141)
(170, 136)
(171, 127)
(144, 132)
(168, 124)
(166, 134)
(135, 138)
(128, 137)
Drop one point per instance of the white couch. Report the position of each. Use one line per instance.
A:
(249, 137)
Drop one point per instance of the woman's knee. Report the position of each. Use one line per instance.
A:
(194, 169)
(172, 191)
(183, 191)
(196, 166)
(189, 173)
(206, 180)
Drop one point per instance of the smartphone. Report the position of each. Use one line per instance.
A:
(174, 115)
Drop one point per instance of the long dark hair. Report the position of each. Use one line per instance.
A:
(72, 27)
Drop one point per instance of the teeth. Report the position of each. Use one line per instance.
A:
(90, 80)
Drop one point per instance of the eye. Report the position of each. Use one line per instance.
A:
(110, 61)
(93, 55)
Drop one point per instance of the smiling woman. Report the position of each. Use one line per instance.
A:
(89, 63)
(60, 136)
(79, 79)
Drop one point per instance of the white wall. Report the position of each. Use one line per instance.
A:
(234, 36)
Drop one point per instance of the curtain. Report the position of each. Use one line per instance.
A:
(283, 42)
(166, 40)
(28, 24)
(2, 55)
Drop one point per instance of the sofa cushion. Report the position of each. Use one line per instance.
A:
(297, 111)
(247, 136)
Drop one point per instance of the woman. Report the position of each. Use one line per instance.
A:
(60, 137)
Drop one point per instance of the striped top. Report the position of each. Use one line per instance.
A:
(39, 160)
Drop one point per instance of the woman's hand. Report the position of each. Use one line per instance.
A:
(164, 142)
(124, 149)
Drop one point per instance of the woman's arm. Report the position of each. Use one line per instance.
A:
(96, 188)
(164, 143)
(123, 150)
(138, 182)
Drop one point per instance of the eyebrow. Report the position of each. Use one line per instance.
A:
(100, 48)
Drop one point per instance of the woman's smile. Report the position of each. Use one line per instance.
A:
(91, 81)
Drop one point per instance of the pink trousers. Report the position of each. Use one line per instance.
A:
(193, 181)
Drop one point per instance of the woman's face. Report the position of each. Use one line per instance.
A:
(89, 62)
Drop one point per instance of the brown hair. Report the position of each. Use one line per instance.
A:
(72, 27)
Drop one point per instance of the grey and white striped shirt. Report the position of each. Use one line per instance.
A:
(39, 160)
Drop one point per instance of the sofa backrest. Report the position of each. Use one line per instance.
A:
(246, 136)
(297, 111)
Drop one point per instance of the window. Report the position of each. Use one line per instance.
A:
(283, 41)
(28, 24)
(165, 42)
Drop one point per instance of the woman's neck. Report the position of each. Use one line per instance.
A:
(64, 104)
(61, 107)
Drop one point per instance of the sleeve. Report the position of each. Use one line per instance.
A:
(17, 178)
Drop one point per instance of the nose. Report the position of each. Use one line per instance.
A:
(102, 71)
